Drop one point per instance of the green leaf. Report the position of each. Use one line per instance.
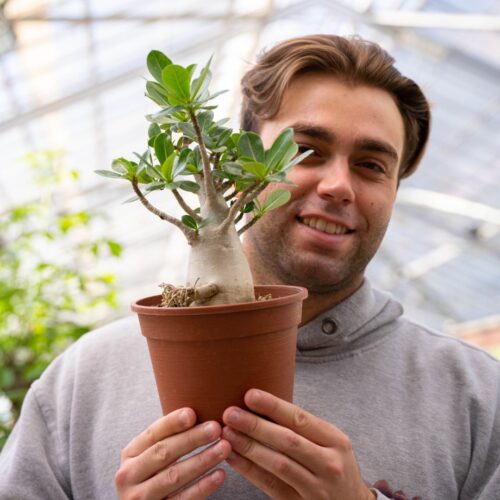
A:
(120, 165)
(177, 80)
(255, 168)
(7, 378)
(205, 222)
(188, 221)
(143, 177)
(276, 198)
(296, 160)
(223, 137)
(157, 93)
(206, 120)
(167, 167)
(197, 161)
(130, 200)
(109, 173)
(279, 177)
(248, 207)
(187, 129)
(180, 167)
(191, 69)
(209, 98)
(190, 186)
(155, 186)
(166, 116)
(153, 172)
(233, 141)
(250, 146)
(192, 168)
(156, 61)
(115, 248)
(144, 160)
(163, 147)
(282, 150)
(153, 130)
(201, 83)
(233, 168)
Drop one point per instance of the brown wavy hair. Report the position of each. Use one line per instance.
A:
(354, 60)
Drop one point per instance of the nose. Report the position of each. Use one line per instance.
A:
(336, 183)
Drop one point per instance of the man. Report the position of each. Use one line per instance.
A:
(379, 400)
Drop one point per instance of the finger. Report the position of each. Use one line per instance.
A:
(280, 438)
(298, 420)
(261, 478)
(203, 488)
(178, 476)
(166, 452)
(172, 423)
(278, 465)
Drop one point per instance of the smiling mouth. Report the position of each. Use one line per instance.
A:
(324, 226)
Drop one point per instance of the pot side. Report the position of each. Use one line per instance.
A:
(206, 358)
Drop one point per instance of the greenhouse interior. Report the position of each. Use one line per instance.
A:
(77, 250)
(72, 99)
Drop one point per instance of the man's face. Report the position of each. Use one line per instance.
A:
(345, 190)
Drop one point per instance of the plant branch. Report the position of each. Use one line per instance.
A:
(248, 225)
(185, 206)
(208, 181)
(247, 195)
(190, 234)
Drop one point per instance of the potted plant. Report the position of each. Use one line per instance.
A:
(218, 335)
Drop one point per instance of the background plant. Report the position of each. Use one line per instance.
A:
(50, 291)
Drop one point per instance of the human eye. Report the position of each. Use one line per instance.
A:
(372, 166)
(313, 156)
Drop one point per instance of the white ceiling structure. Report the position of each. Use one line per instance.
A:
(71, 79)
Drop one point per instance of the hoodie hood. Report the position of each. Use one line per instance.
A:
(358, 321)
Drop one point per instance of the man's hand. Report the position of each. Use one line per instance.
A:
(297, 455)
(149, 468)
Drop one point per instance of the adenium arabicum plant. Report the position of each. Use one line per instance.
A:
(189, 151)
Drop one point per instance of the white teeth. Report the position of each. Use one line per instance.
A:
(322, 225)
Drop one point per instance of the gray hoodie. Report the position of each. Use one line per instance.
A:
(422, 409)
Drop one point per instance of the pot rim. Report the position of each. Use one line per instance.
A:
(295, 294)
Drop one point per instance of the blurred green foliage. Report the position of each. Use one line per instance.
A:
(51, 291)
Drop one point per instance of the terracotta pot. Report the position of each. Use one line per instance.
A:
(208, 357)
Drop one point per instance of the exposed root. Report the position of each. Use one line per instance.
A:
(179, 296)
(264, 297)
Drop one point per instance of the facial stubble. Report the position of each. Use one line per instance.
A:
(274, 259)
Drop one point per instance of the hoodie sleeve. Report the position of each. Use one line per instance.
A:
(483, 477)
(30, 461)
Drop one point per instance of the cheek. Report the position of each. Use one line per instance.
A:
(303, 180)
(379, 211)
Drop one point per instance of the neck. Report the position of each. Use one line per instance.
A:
(317, 303)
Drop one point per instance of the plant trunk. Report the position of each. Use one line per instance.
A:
(217, 257)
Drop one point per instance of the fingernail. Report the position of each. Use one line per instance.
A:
(255, 395)
(210, 430)
(217, 477)
(218, 449)
(233, 416)
(184, 417)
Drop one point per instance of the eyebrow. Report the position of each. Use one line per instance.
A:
(377, 146)
(365, 144)
(313, 131)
